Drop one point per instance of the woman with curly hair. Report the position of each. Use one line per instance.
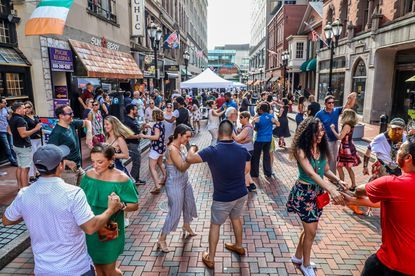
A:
(310, 150)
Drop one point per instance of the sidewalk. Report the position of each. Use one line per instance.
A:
(343, 241)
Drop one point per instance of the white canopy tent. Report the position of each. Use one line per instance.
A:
(206, 79)
(237, 84)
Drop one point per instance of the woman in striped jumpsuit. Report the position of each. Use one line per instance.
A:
(178, 189)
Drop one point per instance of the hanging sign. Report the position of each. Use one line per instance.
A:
(137, 18)
(61, 60)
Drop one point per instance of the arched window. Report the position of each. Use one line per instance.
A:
(359, 84)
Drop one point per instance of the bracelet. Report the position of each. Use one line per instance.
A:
(124, 206)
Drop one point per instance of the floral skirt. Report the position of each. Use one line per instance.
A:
(302, 200)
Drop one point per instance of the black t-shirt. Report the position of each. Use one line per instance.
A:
(16, 122)
(313, 108)
(183, 117)
(31, 124)
(132, 123)
(75, 105)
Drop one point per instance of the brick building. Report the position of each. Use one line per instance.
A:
(375, 56)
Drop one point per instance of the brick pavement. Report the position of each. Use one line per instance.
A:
(342, 244)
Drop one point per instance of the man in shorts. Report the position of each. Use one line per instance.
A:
(22, 144)
(228, 163)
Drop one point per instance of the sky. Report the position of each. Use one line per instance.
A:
(228, 22)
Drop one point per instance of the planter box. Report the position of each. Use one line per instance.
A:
(359, 131)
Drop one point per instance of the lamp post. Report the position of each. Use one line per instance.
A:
(155, 33)
(332, 31)
(186, 58)
(284, 56)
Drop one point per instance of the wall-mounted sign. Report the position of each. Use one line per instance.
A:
(61, 92)
(137, 18)
(102, 42)
(171, 68)
(61, 60)
(149, 68)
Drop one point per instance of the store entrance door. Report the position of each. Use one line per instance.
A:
(404, 96)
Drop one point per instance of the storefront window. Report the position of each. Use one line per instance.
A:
(337, 85)
(15, 84)
(4, 32)
(359, 85)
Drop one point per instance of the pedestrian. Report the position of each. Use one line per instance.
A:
(246, 102)
(348, 157)
(97, 123)
(179, 191)
(65, 133)
(196, 115)
(133, 142)
(57, 216)
(105, 105)
(229, 102)
(395, 196)
(313, 107)
(88, 108)
(101, 98)
(148, 114)
(283, 130)
(330, 116)
(231, 114)
(157, 150)
(116, 135)
(290, 98)
(168, 127)
(245, 136)
(138, 101)
(220, 100)
(310, 149)
(87, 93)
(127, 98)
(213, 121)
(157, 99)
(228, 164)
(5, 134)
(32, 121)
(264, 122)
(181, 115)
(22, 145)
(300, 110)
(99, 183)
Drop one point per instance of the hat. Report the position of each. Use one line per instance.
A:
(49, 156)
(180, 100)
(397, 123)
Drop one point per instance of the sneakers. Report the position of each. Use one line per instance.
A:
(140, 182)
(307, 271)
(126, 222)
(298, 261)
(252, 187)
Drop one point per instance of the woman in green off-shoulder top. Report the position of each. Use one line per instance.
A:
(98, 183)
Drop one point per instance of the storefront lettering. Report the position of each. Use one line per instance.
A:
(102, 42)
(137, 17)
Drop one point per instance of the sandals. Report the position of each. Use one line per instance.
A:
(205, 258)
(155, 191)
(162, 245)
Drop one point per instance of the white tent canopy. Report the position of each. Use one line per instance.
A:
(237, 84)
(206, 79)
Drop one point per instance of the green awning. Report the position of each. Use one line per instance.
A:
(303, 66)
(311, 66)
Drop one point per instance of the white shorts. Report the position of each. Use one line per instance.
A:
(154, 154)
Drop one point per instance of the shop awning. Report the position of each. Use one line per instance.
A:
(12, 56)
(311, 66)
(101, 62)
(172, 75)
(183, 72)
(256, 82)
(249, 82)
(303, 66)
(274, 79)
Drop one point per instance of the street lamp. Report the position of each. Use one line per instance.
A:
(155, 33)
(285, 56)
(332, 32)
(186, 58)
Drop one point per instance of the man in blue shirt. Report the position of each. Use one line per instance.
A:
(229, 102)
(5, 138)
(330, 115)
(263, 125)
(227, 161)
(157, 99)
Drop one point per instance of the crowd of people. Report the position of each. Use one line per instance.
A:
(87, 213)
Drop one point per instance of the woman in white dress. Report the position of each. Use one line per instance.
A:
(213, 121)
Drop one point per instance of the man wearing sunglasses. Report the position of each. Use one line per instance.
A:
(65, 133)
(330, 115)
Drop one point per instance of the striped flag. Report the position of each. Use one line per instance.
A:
(49, 17)
(314, 36)
(199, 54)
(173, 41)
(314, 33)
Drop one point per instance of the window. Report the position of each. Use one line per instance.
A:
(15, 84)
(407, 6)
(4, 32)
(299, 53)
(9, 55)
(3, 7)
(359, 85)
(105, 9)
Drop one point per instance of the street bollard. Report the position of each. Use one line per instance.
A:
(383, 123)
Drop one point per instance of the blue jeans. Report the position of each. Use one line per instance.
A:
(7, 144)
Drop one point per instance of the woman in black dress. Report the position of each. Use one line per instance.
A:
(283, 131)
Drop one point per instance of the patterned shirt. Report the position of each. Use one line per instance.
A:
(3, 119)
(158, 145)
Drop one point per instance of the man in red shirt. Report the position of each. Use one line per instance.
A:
(396, 195)
(220, 101)
(86, 94)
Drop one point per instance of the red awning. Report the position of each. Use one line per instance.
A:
(101, 62)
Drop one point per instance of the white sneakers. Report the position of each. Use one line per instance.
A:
(298, 261)
(307, 271)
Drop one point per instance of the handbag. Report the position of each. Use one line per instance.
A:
(109, 232)
(322, 200)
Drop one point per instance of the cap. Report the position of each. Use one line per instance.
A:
(49, 156)
(397, 123)
(180, 100)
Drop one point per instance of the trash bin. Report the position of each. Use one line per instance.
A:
(117, 108)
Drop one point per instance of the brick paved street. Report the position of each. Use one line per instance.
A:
(342, 244)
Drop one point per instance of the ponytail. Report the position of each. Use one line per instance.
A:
(170, 140)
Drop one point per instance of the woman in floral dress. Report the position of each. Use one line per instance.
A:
(310, 149)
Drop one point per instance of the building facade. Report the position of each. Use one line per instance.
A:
(230, 61)
(375, 56)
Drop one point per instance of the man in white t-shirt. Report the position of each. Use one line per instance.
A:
(137, 101)
(57, 216)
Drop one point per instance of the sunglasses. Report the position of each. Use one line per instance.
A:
(242, 117)
(28, 106)
(69, 113)
(169, 106)
(330, 102)
(95, 105)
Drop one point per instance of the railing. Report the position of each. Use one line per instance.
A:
(96, 8)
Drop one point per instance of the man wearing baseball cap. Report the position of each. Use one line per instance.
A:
(57, 215)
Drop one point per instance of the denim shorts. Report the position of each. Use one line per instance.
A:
(23, 156)
(220, 211)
